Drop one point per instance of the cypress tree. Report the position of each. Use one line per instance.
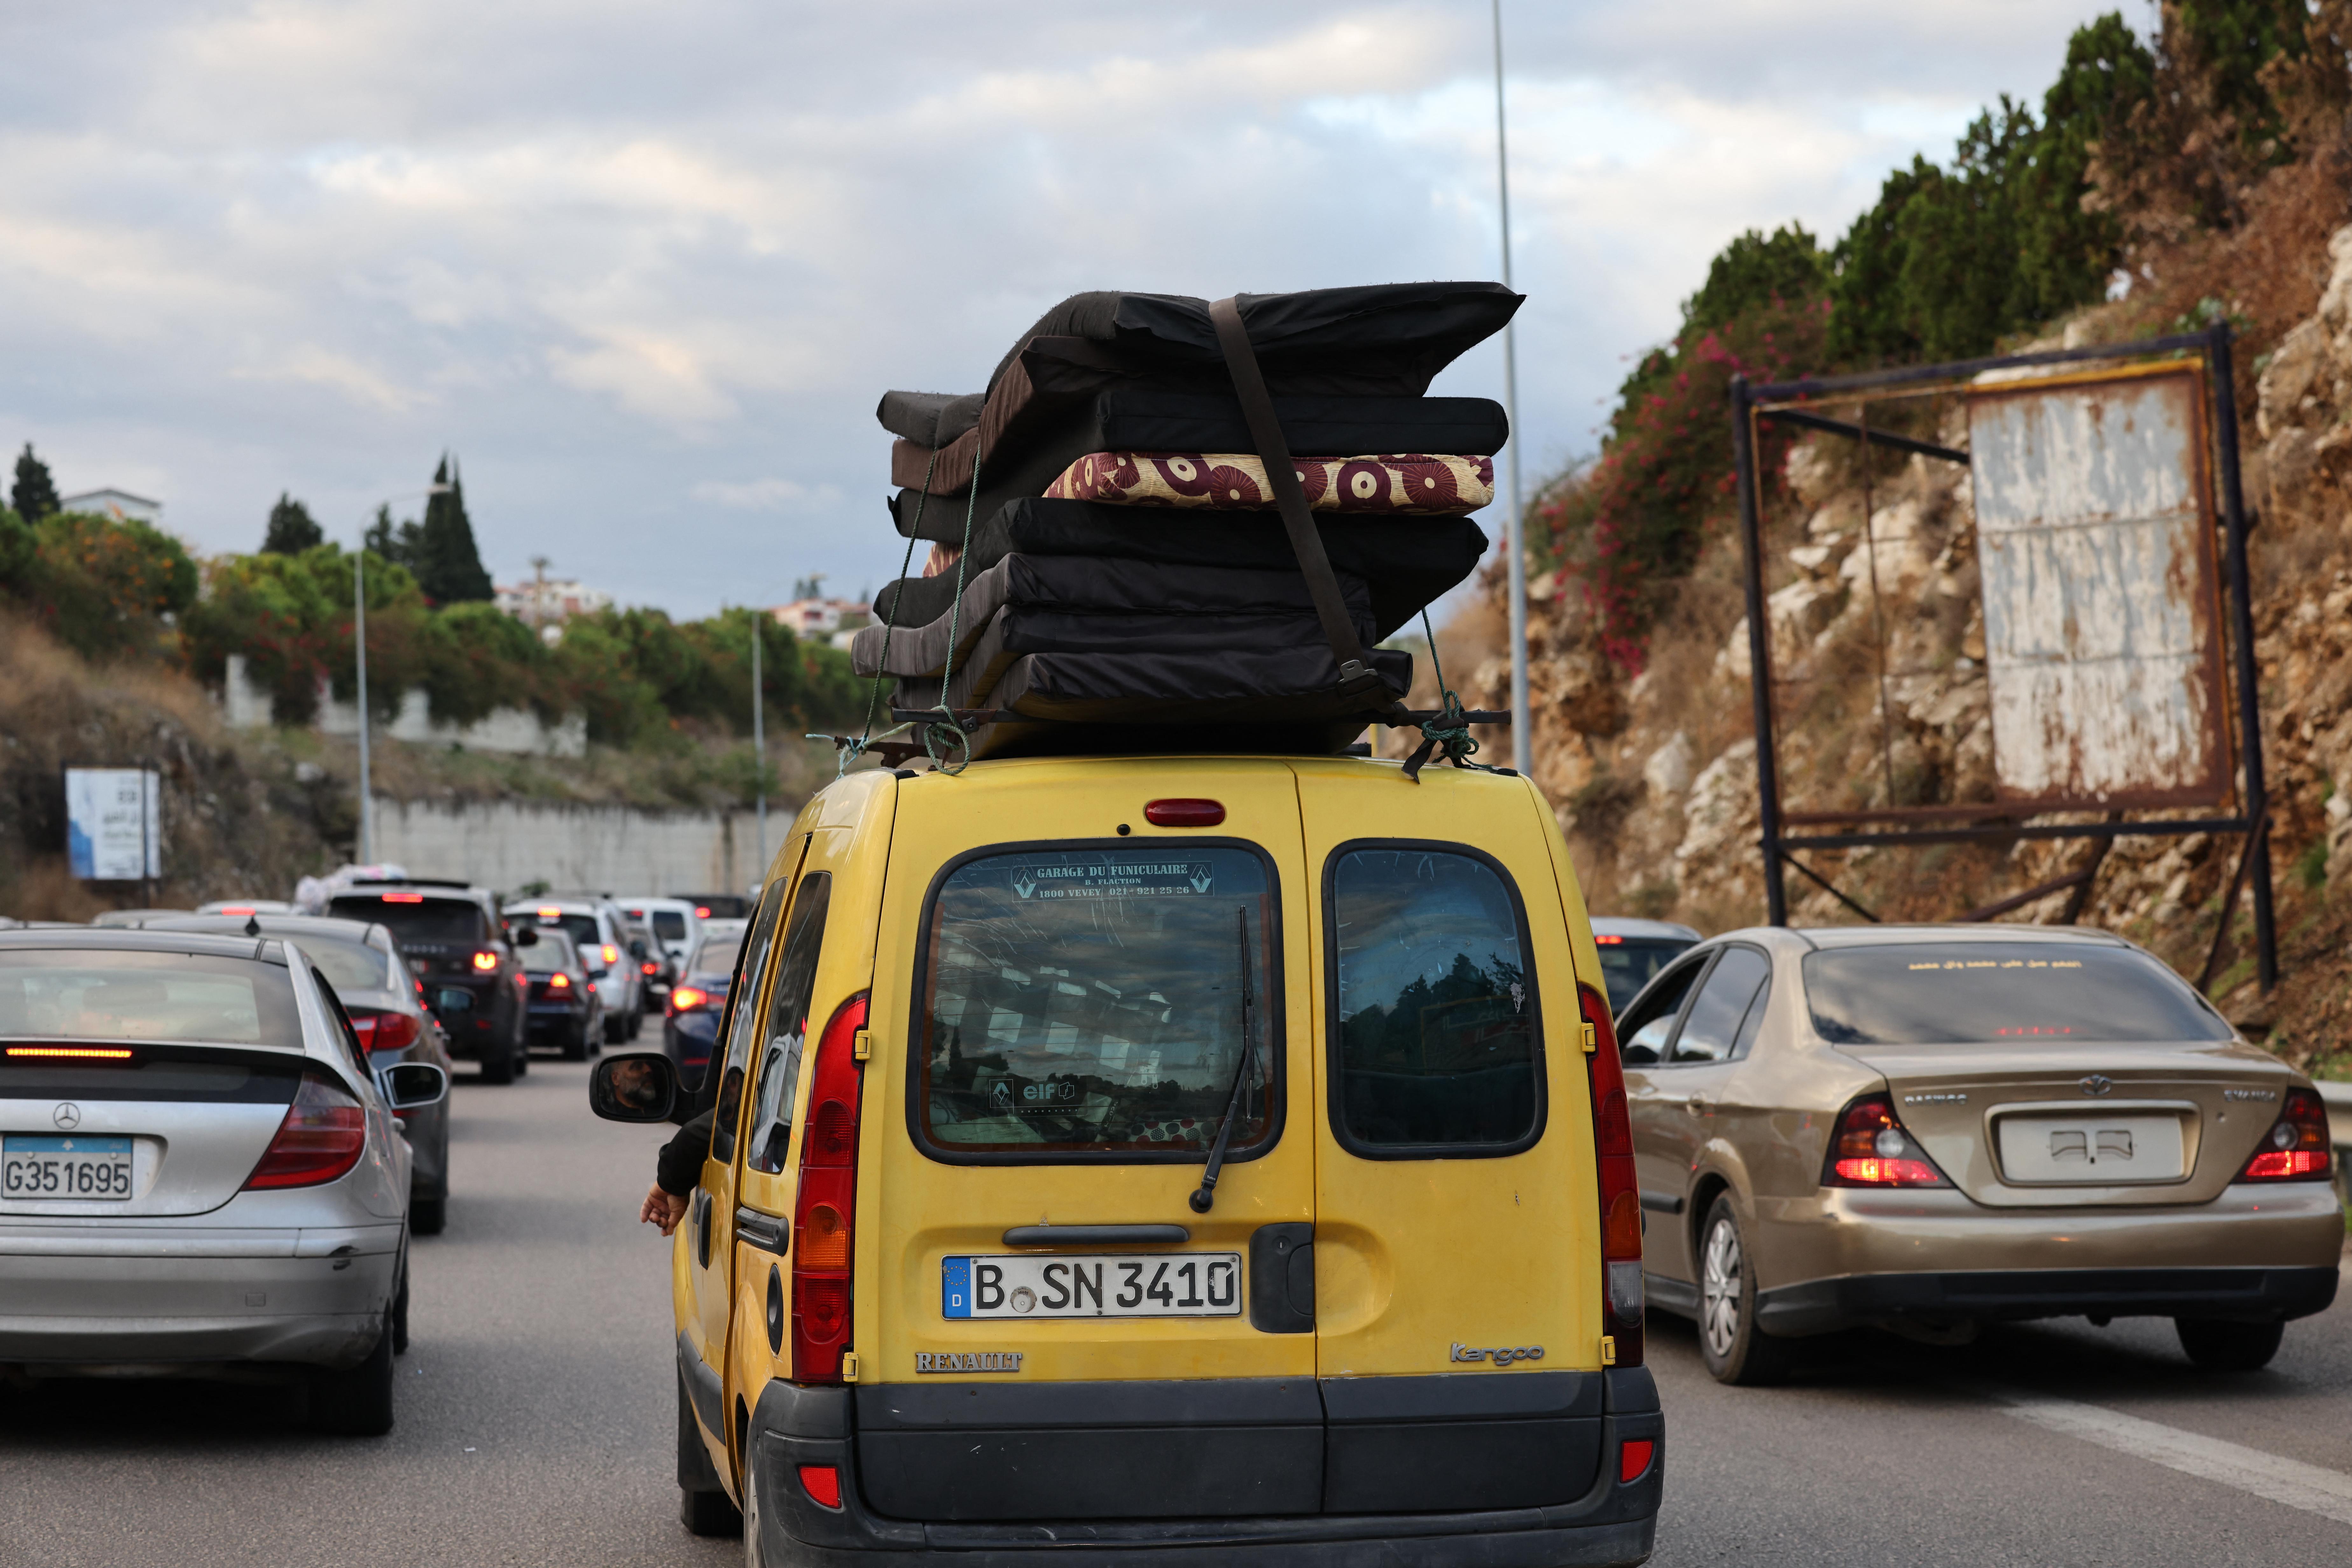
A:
(35, 494)
(292, 528)
(448, 566)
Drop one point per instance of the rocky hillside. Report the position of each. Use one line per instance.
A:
(1650, 760)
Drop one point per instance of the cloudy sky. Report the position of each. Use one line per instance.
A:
(644, 266)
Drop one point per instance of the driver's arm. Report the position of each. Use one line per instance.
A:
(678, 1170)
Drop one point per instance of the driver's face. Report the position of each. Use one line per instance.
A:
(632, 1083)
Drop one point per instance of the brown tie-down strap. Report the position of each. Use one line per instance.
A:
(1289, 498)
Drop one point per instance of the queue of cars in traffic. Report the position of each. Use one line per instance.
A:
(220, 1129)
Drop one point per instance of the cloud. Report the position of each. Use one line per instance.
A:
(764, 495)
(608, 249)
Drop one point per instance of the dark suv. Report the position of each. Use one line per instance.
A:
(462, 953)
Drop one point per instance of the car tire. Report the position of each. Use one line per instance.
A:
(400, 1311)
(702, 1507)
(2218, 1345)
(427, 1215)
(754, 1556)
(616, 1029)
(502, 1069)
(1735, 1349)
(575, 1041)
(356, 1402)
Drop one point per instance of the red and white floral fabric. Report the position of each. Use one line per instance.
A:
(1396, 484)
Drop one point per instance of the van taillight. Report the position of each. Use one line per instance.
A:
(323, 1137)
(1621, 1192)
(2297, 1147)
(825, 1213)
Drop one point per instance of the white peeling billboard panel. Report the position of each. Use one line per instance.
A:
(2095, 548)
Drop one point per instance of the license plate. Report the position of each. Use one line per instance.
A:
(97, 1168)
(2092, 1151)
(1120, 1285)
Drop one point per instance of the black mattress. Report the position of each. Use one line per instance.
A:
(1139, 418)
(1405, 562)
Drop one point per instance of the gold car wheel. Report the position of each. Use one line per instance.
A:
(1720, 1288)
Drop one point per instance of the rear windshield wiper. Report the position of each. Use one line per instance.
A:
(1207, 1195)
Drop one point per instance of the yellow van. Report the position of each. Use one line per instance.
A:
(1219, 1157)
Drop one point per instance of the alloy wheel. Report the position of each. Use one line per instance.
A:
(1720, 1290)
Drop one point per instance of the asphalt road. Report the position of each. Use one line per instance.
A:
(535, 1423)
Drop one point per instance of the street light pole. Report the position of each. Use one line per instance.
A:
(1522, 746)
(359, 645)
(759, 742)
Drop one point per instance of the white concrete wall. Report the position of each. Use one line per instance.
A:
(509, 845)
(247, 707)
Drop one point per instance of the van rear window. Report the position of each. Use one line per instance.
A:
(1085, 1002)
(427, 920)
(1436, 1046)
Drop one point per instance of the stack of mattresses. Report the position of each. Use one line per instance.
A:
(1105, 552)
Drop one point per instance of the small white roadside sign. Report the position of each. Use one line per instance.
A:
(114, 828)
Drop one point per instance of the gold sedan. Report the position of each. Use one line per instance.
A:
(1928, 1128)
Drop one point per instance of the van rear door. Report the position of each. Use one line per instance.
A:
(1456, 1250)
(1067, 990)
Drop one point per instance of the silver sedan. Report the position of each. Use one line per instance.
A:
(199, 1174)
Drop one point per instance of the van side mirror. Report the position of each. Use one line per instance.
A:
(639, 1086)
(411, 1086)
(525, 936)
(453, 999)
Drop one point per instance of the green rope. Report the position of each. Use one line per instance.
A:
(945, 732)
(1449, 732)
(866, 736)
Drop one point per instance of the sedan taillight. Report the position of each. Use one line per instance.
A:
(2295, 1149)
(1871, 1149)
(384, 1031)
(485, 960)
(687, 998)
(323, 1137)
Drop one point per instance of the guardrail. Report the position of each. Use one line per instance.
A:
(2337, 1097)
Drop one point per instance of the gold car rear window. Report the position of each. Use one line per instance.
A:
(2000, 993)
(1088, 1001)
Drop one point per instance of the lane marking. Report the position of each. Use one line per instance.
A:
(2327, 1493)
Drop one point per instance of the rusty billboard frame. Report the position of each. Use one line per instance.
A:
(2221, 506)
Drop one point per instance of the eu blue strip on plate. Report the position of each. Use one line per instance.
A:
(955, 1287)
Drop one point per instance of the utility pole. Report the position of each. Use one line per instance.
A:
(759, 740)
(1522, 743)
(358, 640)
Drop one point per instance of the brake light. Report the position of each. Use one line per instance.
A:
(2295, 1149)
(323, 1135)
(1621, 1192)
(559, 982)
(825, 1213)
(686, 998)
(1871, 1149)
(612, 953)
(384, 1031)
(75, 1053)
(1185, 812)
(550, 912)
(403, 898)
(648, 968)
(1608, 942)
(485, 960)
(236, 910)
(702, 911)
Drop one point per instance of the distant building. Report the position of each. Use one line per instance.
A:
(817, 620)
(551, 601)
(118, 505)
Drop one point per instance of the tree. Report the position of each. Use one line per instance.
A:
(36, 495)
(401, 544)
(292, 528)
(448, 564)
